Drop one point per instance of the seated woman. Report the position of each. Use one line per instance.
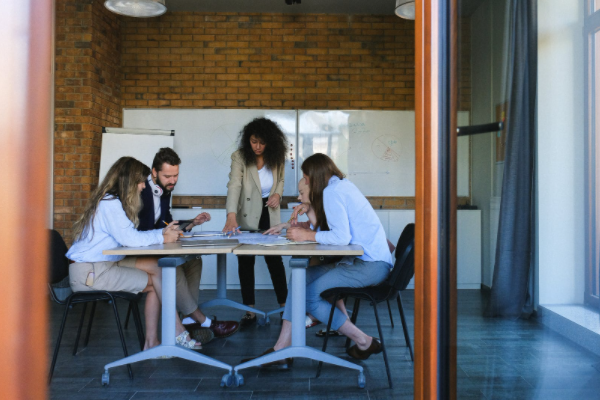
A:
(109, 220)
(305, 208)
(342, 216)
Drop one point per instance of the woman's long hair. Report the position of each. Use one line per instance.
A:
(276, 143)
(319, 168)
(121, 183)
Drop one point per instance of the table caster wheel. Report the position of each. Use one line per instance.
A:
(105, 378)
(238, 380)
(262, 321)
(361, 380)
(227, 380)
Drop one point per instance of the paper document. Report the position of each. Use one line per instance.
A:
(218, 242)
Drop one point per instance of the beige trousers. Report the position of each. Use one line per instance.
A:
(188, 286)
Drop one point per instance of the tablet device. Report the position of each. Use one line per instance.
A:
(184, 224)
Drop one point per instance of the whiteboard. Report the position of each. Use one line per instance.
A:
(205, 140)
(375, 149)
(141, 147)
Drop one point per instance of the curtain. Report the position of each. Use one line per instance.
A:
(511, 294)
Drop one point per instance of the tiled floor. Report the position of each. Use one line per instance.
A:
(497, 359)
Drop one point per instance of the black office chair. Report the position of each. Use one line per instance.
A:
(61, 293)
(402, 273)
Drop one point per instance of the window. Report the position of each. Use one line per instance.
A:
(592, 30)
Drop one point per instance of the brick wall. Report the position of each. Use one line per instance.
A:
(198, 60)
(276, 61)
(88, 97)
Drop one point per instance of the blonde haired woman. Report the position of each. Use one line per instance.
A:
(109, 220)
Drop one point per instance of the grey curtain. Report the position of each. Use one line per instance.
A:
(511, 294)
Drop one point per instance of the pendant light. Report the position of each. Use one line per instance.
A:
(137, 8)
(405, 9)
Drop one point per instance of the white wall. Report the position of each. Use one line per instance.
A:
(488, 55)
(561, 151)
(393, 221)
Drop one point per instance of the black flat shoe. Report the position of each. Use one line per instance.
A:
(282, 365)
(374, 348)
(248, 320)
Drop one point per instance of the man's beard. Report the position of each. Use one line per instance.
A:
(164, 188)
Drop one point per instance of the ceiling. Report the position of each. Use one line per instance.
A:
(372, 7)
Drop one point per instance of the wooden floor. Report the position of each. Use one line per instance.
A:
(497, 359)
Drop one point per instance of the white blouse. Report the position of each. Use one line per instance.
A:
(266, 181)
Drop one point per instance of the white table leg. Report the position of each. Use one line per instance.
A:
(168, 347)
(298, 348)
(222, 299)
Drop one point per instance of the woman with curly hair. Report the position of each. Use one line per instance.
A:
(254, 192)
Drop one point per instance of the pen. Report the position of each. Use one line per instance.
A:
(232, 232)
(167, 224)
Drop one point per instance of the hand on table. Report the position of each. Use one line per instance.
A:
(170, 232)
(274, 200)
(231, 225)
(300, 234)
(276, 230)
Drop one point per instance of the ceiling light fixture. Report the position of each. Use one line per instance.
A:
(137, 8)
(405, 9)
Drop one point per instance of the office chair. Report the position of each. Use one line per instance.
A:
(400, 276)
(61, 293)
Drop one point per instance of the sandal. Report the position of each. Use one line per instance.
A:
(332, 333)
(309, 323)
(191, 344)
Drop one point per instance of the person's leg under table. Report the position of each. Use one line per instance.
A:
(168, 346)
(298, 346)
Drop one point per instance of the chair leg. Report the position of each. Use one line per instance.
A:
(138, 324)
(79, 329)
(114, 304)
(405, 327)
(385, 357)
(390, 311)
(127, 316)
(89, 327)
(353, 318)
(327, 333)
(58, 340)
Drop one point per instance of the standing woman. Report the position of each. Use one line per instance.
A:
(254, 193)
(109, 220)
(343, 216)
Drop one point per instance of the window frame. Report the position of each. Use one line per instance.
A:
(592, 271)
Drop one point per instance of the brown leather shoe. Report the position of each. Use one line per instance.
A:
(281, 364)
(223, 329)
(374, 348)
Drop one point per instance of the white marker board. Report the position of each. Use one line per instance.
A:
(205, 140)
(375, 149)
(142, 147)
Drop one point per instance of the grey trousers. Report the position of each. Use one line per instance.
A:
(322, 277)
(188, 286)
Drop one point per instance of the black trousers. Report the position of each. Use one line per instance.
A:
(274, 263)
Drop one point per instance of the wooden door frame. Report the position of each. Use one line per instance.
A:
(435, 207)
(25, 79)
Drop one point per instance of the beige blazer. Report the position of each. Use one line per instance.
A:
(244, 194)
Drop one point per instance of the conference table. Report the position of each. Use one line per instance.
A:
(301, 254)
(173, 254)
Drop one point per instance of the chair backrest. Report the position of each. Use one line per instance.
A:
(404, 267)
(58, 277)
(59, 263)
